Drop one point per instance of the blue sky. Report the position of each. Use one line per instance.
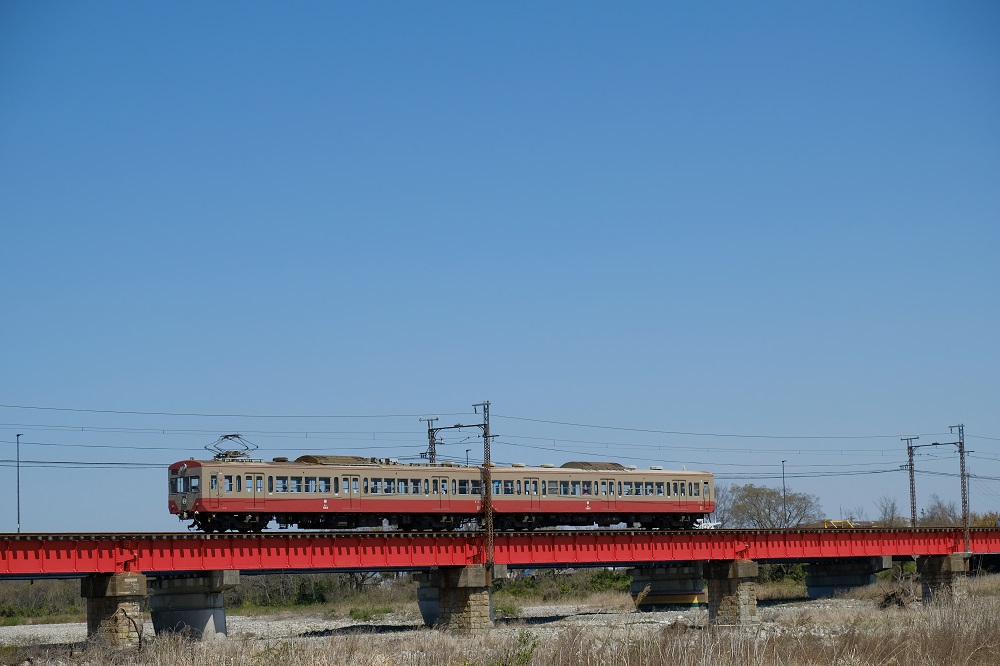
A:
(776, 220)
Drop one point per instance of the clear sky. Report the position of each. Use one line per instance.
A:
(773, 220)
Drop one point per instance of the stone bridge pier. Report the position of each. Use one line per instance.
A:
(114, 606)
(732, 591)
(943, 578)
(825, 578)
(457, 599)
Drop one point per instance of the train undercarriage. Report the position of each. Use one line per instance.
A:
(502, 522)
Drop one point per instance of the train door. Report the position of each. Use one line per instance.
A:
(606, 493)
(678, 491)
(350, 490)
(254, 488)
(531, 490)
(440, 491)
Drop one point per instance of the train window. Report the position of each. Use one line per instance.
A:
(628, 488)
(637, 487)
(347, 484)
(496, 488)
(586, 487)
(619, 488)
(281, 484)
(534, 486)
(576, 487)
(415, 486)
(324, 484)
(259, 483)
(402, 487)
(214, 483)
(604, 487)
(675, 489)
(173, 486)
(228, 487)
(682, 489)
(477, 487)
(463, 487)
(195, 482)
(376, 486)
(390, 487)
(296, 484)
(364, 485)
(706, 490)
(519, 486)
(249, 483)
(310, 484)
(427, 487)
(553, 487)
(649, 487)
(564, 487)
(659, 488)
(453, 486)
(270, 484)
(543, 489)
(239, 483)
(434, 487)
(354, 485)
(508, 487)
(697, 490)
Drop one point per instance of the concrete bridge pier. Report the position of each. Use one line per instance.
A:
(827, 577)
(191, 603)
(732, 591)
(457, 599)
(674, 585)
(114, 606)
(943, 578)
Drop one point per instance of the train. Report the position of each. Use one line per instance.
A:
(233, 492)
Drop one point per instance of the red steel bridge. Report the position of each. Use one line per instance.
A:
(62, 555)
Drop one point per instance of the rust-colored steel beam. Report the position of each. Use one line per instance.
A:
(67, 554)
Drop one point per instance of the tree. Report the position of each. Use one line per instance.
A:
(940, 514)
(761, 507)
(888, 512)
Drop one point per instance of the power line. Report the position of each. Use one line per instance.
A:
(695, 434)
(231, 416)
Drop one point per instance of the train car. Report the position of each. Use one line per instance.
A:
(234, 492)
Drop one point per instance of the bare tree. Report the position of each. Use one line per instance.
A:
(767, 508)
(888, 512)
(723, 504)
(940, 514)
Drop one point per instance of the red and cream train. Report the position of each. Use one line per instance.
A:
(234, 492)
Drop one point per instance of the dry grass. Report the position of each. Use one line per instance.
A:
(848, 632)
(814, 634)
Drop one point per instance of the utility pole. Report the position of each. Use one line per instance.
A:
(19, 435)
(913, 482)
(431, 439)
(965, 479)
(487, 484)
(784, 503)
(486, 475)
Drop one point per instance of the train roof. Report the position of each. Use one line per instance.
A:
(594, 466)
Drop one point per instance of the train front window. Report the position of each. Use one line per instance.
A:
(706, 490)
